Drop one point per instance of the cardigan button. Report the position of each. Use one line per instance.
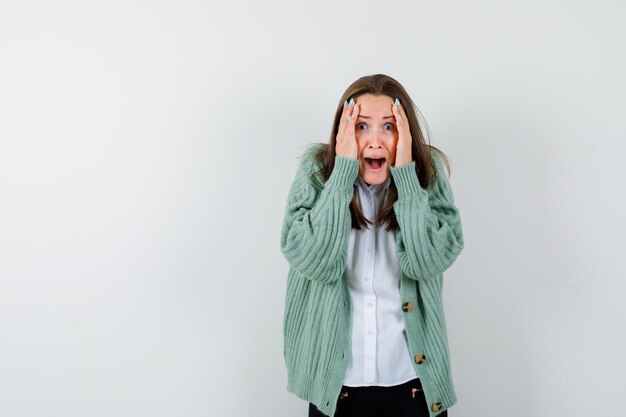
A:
(408, 306)
(437, 406)
(420, 358)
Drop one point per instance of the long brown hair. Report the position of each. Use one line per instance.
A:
(380, 84)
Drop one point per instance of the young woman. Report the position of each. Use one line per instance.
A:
(370, 226)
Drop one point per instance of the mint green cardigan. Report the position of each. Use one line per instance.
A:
(317, 322)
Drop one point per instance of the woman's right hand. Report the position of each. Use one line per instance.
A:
(346, 140)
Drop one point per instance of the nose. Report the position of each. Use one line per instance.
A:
(375, 139)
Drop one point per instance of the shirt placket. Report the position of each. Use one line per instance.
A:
(370, 297)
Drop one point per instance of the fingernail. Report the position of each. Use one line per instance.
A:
(355, 106)
(349, 119)
(351, 101)
(345, 103)
(396, 103)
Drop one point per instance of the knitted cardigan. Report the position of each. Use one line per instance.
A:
(317, 321)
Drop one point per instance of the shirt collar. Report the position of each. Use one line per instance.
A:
(374, 187)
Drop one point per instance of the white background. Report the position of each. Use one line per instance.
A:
(146, 151)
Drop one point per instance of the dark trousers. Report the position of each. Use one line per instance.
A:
(405, 400)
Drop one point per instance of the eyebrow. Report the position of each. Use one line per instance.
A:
(368, 117)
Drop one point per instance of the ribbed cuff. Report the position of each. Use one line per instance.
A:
(344, 173)
(407, 182)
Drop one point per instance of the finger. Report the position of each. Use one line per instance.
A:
(346, 118)
(348, 106)
(350, 110)
(398, 111)
(355, 112)
(352, 119)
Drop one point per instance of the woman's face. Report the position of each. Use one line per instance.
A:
(376, 137)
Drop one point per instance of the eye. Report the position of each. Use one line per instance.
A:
(361, 125)
(389, 126)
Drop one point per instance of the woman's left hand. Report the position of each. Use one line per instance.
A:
(403, 148)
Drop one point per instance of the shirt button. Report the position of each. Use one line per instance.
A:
(437, 406)
(408, 306)
(420, 358)
(370, 250)
(369, 332)
(370, 304)
(367, 278)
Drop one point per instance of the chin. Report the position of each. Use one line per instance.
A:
(375, 179)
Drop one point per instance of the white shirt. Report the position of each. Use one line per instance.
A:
(380, 353)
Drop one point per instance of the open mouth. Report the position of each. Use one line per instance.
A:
(375, 163)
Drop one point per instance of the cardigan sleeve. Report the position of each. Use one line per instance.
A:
(317, 220)
(430, 223)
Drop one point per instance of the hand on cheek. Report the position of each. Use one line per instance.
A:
(403, 147)
(346, 144)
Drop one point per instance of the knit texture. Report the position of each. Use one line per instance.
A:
(317, 322)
